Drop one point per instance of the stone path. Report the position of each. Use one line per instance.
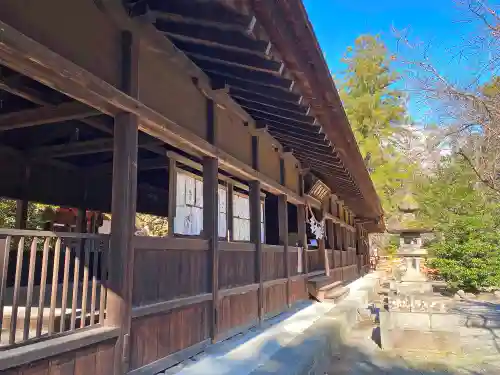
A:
(360, 355)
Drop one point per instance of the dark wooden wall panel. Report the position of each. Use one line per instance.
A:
(298, 290)
(156, 336)
(293, 262)
(237, 311)
(95, 360)
(168, 89)
(236, 268)
(273, 265)
(89, 38)
(162, 275)
(233, 136)
(269, 159)
(315, 261)
(275, 299)
(337, 258)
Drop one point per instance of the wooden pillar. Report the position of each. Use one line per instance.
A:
(21, 213)
(230, 212)
(210, 232)
(121, 262)
(283, 233)
(330, 229)
(123, 209)
(172, 194)
(255, 237)
(301, 225)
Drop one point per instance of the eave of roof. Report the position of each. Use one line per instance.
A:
(300, 49)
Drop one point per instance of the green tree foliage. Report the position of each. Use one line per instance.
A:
(37, 213)
(463, 213)
(376, 112)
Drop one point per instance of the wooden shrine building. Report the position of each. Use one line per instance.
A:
(220, 118)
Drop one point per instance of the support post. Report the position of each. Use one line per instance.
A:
(255, 237)
(119, 297)
(230, 212)
(331, 239)
(172, 194)
(123, 209)
(210, 232)
(283, 233)
(301, 225)
(21, 213)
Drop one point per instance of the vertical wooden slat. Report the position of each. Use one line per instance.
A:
(29, 292)
(102, 298)
(255, 237)
(43, 286)
(210, 232)
(65, 286)
(76, 283)
(17, 287)
(85, 286)
(3, 274)
(93, 297)
(283, 234)
(230, 211)
(172, 194)
(301, 225)
(55, 282)
(255, 152)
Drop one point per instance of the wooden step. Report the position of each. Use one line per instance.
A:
(323, 287)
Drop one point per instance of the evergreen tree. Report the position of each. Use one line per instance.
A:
(377, 113)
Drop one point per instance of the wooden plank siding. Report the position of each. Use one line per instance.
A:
(275, 299)
(237, 312)
(273, 262)
(95, 359)
(236, 264)
(168, 268)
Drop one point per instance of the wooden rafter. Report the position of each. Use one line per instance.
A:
(257, 87)
(83, 148)
(238, 93)
(276, 113)
(46, 115)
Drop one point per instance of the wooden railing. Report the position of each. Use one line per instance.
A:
(50, 284)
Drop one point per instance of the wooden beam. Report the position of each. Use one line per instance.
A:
(283, 235)
(172, 194)
(254, 97)
(256, 239)
(248, 60)
(274, 112)
(210, 232)
(241, 72)
(21, 213)
(46, 115)
(211, 125)
(230, 211)
(257, 87)
(301, 223)
(123, 209)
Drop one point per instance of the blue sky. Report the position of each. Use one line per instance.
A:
(440, 23)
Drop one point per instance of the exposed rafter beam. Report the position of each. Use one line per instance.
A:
(276, 113)
(7, 150)
(262, 78)
(14, 86)
(238, 93)
(305, 137)
(256, 87)
(248, 60)
(82, 148)
(46, 115)
(202, 12)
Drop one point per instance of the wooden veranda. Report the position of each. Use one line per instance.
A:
(205, 114)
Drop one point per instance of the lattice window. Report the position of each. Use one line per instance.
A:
(189, 205)
(241, 218)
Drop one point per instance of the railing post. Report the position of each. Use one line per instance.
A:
(283, 232)
(255, 237)
(123, 210)
(210, 232)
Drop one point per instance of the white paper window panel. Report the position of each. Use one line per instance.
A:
(181, 189)
(241, 229)
(241, 206)
(188, 220)
(222, 199)
(199, 193)
(222, 225)
(190, 190)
